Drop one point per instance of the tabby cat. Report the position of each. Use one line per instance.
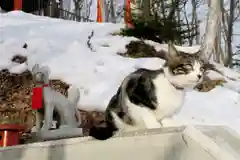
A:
(147, 97)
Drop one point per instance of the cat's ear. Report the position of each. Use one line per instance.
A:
(172, 52)
(201, 56)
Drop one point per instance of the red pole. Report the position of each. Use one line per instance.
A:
(128, 15)
(17, 5)
(99, 11)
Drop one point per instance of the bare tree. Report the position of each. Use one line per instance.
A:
(219, 55)
(78, 4)
(86, 10)
(146, 8)
(66, 5)
(230, 33)
(52, 9)
(190, 39)
(109, 11)
(236, 61)
(229, 16)
(195, 20)
(113, 11)
(212, 29)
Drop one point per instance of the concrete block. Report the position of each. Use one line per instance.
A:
(172, 143)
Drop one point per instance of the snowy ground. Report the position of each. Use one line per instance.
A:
(62, 45)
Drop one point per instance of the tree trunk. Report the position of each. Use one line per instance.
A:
(146, 9)
(230, 32)
(106, 10)
(112, 11)
(213, 21)
(67, 5)
(195, 21)
(218, 49)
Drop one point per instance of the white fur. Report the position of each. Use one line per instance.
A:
(170, 101)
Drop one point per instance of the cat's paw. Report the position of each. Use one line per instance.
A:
(169, 122)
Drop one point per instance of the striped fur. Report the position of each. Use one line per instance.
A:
(147, 97)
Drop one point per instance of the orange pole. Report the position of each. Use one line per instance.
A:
(99, 11)
(127, 15)
(17, 5)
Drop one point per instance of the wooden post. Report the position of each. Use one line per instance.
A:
(99, 11)
(17, 5)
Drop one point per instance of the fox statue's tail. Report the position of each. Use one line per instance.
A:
(73, 94)
(74, 97)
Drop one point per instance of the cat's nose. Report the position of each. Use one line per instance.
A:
(199, 76)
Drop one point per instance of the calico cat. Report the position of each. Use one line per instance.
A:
(147, 97)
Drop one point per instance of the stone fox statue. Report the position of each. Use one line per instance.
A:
(55, 105)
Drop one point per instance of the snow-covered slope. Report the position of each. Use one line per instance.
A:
(62, 45)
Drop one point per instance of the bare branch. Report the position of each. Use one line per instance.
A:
(89, 44)
(211, 29)
(230, 32)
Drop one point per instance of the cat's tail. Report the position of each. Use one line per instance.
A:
(102, 132)
(123, 93)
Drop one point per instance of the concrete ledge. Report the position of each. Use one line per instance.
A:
(224, 137)
(56, 134)
(175, 143)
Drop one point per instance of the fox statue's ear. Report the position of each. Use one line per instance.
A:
(45, 70)
(35, 68)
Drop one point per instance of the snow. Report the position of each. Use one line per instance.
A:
(62, 46)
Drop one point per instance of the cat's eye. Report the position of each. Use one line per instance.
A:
(178, 71)
(188, 66)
